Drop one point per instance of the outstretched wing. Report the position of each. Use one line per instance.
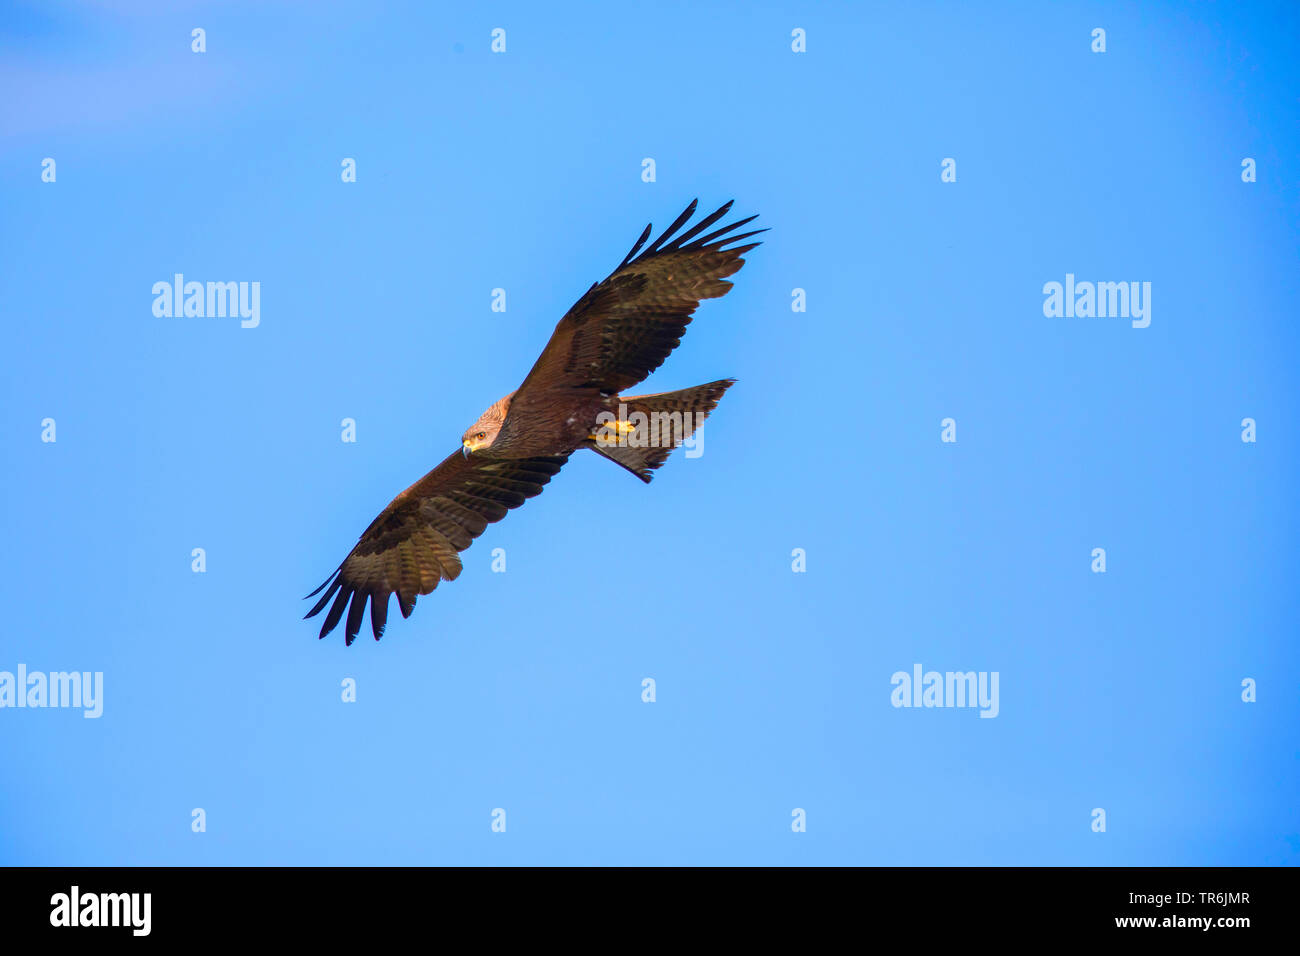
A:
(416, 541)
(623, 328)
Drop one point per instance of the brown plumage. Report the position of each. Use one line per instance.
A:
(619, 332)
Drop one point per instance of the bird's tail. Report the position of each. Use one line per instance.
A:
(649, 427)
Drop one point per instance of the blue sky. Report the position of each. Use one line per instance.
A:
(522, 170)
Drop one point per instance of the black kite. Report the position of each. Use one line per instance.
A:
(619, 332)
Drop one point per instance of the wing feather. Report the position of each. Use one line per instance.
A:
(336, 612)
(355, 613)
(407, 602)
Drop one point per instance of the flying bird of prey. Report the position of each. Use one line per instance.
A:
(619, 332)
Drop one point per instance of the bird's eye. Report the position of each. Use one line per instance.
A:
(481, 435)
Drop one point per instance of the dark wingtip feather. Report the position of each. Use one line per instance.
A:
(649, 227)
(336, 612)
(667, 233)
(406, 603)
(743, 235)
(355, 615)
(323, 583)
(325, 598)
(378, 614)
(700, 226)
(715, 237)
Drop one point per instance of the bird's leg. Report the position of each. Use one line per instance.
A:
(612, 433)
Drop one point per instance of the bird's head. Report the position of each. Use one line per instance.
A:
(484, 432)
